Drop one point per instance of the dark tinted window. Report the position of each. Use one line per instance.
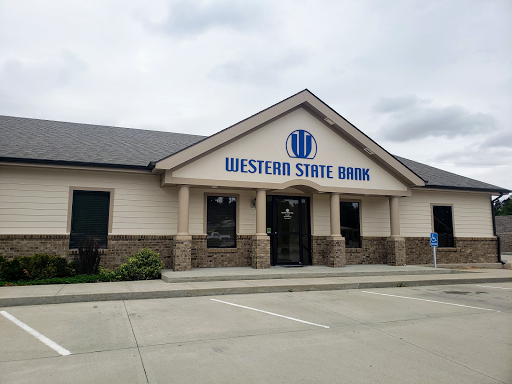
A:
(443, 225)
(89, 218)
(221, 221)
(349, 216)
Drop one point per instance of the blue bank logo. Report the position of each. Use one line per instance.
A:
(301, 145)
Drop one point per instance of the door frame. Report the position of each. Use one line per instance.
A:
(304, 229)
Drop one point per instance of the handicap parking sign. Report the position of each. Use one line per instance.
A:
(433, 240)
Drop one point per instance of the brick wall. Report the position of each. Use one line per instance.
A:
(506, 242)
(203, 257)
(504, 231)
(319, 250)
(466, 250)
(12, 246)
(373, 251)
(120, 247)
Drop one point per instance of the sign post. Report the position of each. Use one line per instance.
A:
(434, 243)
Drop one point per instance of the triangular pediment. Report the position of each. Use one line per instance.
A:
(298, 142)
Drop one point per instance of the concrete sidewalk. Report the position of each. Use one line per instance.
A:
(249, 281)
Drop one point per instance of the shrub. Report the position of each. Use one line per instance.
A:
(144, 265)
(39, 266)
(88, 258)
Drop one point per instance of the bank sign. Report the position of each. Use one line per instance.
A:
(300, 144)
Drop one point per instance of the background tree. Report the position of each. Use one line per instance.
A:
(503, 207)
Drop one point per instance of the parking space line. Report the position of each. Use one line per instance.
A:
(431, 301)
(271, 313)
(50, 343)
(488, 286)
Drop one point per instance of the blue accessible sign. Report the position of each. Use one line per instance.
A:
(434, 243)
(433, 240)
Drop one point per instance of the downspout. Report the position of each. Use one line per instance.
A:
(494, 227)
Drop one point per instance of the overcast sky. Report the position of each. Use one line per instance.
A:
(428, 80)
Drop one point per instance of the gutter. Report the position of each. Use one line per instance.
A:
(494, 227)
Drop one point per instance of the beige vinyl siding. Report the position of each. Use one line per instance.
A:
(374, 217)
(35, 200)
(321, 215)
(247, 214)
(471, 213)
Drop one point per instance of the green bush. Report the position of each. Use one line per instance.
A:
(144, 265)
(35, 267)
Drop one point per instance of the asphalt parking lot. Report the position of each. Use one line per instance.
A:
(433, 334)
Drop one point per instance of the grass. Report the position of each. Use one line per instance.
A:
(61, 280)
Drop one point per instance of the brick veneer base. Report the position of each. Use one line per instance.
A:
(396, 251)
(182, 254)
(121, 247)
(373, 250)
(12, 246)
(466, 250)
(260, 252)
(204, 257)
(336, 256)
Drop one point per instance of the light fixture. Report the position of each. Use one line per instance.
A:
(214, 187)
(369, 151)
(329, 121)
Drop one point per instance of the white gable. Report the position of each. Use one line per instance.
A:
(267, 155)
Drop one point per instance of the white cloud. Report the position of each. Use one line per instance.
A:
(410, 118)
(200, 66)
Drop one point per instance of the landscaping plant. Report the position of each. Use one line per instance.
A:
(144, 265)
(87, 261)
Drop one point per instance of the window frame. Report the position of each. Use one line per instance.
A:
(360, 221)
(205, 218)
(432, 205)
(92, 189)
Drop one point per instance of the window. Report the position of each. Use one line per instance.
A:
(221, 221)
(350, 227)
(89, 218)
(443, 225)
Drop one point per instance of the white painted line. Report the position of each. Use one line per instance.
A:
(431, 301)
(37, 335)
(488, 286)
(271, 313)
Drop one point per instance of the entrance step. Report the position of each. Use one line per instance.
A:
(276, 272)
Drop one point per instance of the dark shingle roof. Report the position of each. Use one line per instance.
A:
(33, 140)
(43, 140)
(437, 178)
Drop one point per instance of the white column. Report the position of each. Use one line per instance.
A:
(335, 214)
(394, 216)
(183, 207)
(261, 212)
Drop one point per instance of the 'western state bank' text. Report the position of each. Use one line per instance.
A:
(269, 167)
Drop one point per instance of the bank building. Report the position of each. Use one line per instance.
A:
(293, 185)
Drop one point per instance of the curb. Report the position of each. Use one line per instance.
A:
(81, 298)
(193, 279)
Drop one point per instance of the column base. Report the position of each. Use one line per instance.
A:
(182, 255)
(396, 250)
(261, 252)
(336, 255)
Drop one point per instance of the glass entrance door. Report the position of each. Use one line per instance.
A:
(288, 227)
